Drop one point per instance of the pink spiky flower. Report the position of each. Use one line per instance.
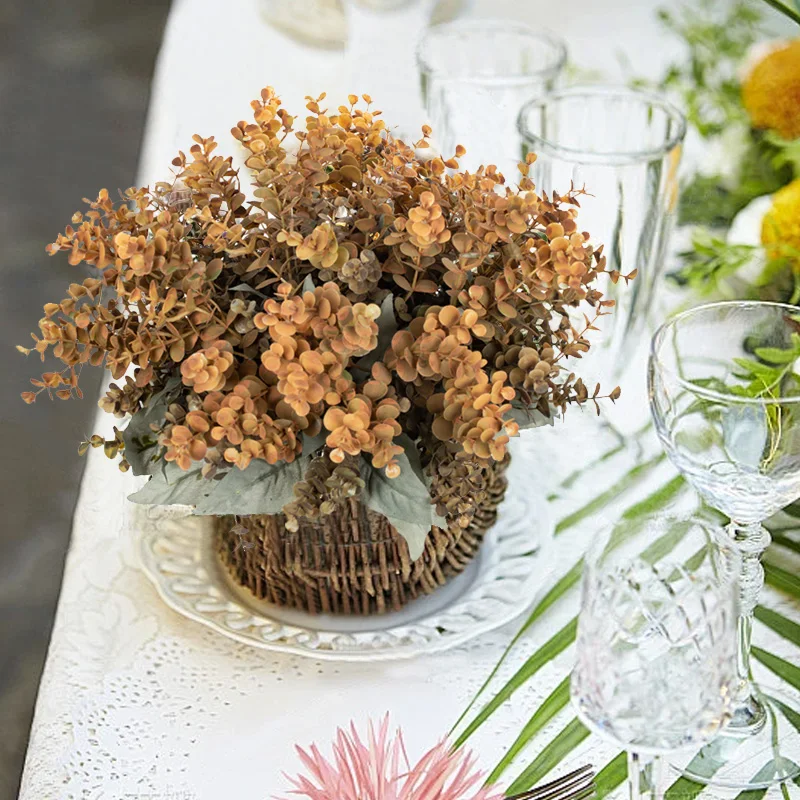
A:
(379, 769)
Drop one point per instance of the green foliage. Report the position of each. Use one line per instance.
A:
(710, 261)
(267, 488)
(404, 500)
(787, 8)
(717, 37)
(551, 756)
(142, 451)
(772, 375)
(766, 164)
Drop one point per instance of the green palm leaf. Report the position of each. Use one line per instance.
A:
(791, 11)
(560, 588)
(781, 579)
(547, 652)
(655, 501)
(553, 754)
(781, 625)
(622, 485)
(557, 699)
(611, 776)
(784, 541)
(789, 672)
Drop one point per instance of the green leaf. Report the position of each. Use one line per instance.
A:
(556, 701)
(658, 499)
(527, 417)
(551, 756)
(765, 773)
(562, 586)
(405, 500)
(611, 776)
(623, 484)
(172, 486)
(261, 488)
(786, 10)
(141, 448)
(787, 628)
(706, 762)
(574, 476)
(776, 355)
(546, 653)
(785, 541)
(781, 579)
(683, 789)
(387, 327)
(246, 287)
(784, 669)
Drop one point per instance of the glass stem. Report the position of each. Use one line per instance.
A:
(645, 777)
(751, 541)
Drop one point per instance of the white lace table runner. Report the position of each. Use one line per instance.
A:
(138, 702)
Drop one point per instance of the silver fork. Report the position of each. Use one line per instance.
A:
(576, 785)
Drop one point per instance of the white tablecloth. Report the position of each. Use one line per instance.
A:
(138, 702)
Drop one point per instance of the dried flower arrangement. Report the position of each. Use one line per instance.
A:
(370, 324)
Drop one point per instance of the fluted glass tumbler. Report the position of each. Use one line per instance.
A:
(725, 397)
(655, 664)
(623, 147)
(474, 78)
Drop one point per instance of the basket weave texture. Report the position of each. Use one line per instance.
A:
(354, 562)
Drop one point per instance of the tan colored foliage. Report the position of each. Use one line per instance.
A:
(200, 279)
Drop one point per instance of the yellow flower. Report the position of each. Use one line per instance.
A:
(780, 228)
(771, 93)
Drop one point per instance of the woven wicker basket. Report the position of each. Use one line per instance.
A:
(354, 563)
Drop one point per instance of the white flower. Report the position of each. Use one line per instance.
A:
(723, 154)
(746, 229)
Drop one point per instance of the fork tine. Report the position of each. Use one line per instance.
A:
(570, 776)
(558, 784)
(568, 790)
(567, 787)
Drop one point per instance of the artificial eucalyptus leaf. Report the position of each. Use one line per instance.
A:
(308, 284)
(261, 488)
(387, 327)
(313, 443)
(170, 485)
(141, 448)
(527, 417)
(246, 287)
(404, 500)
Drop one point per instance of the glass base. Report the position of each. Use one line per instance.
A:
(766, 755)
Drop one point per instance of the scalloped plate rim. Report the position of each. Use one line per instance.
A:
(506, 612)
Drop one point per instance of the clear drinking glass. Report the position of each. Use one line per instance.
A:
(656, 660)
(624, 147)
(725, 397)
(475, 76)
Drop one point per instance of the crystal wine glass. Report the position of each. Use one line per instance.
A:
(656, 658)
(725, 397)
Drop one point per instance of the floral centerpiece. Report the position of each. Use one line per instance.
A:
(334, 364)
(742, 92)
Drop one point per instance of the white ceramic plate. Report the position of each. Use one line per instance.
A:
(178, 555)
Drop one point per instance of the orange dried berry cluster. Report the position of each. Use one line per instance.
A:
(356, 299)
